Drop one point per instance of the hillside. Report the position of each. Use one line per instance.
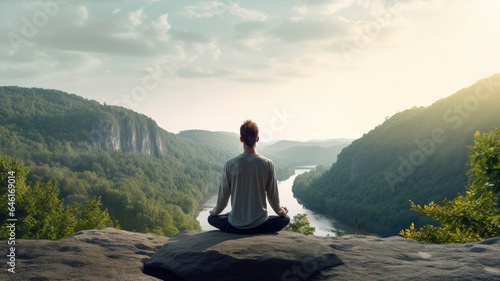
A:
(417, 154)
(308, 153)
(221, 145)
(149, 179)
(286, 144)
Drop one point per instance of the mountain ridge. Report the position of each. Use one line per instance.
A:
(418, 154)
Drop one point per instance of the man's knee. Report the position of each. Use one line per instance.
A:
(219, 222)
(213, 221)
(279, 222)
(286, 218)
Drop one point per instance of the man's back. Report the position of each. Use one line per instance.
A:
(248, 178)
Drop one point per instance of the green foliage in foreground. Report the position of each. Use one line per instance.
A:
(39, 212)
(474, 216)
(300, 224)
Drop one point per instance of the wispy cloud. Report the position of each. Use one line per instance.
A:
(335, 51)
(221, 9)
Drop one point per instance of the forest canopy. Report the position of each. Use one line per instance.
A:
(149, 180)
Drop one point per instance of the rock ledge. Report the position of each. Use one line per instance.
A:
(215, 255)
(111, 254)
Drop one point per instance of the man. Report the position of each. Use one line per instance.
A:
(248, 179)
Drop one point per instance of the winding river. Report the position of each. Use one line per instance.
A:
(324, 225)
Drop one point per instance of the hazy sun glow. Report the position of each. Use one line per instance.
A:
(301, 69)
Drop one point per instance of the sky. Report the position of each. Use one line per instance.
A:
(303, 70)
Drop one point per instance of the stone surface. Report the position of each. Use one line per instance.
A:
(215, 255)
(397, 258)
(110, 254)
(104, 254)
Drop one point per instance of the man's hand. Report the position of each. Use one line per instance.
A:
(211, 212)
(285, 211)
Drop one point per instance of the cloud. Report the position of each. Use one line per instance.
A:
(247, 28)
(246, 14)
(249, 35)
(162, 26)
(308, 30)
(220, 9)
(207, 39)
(123, 33)
(88, 64)
(35, 64)
(324, 7)
(84, 14)
(137, 17)
(202, 72)
(189, 36)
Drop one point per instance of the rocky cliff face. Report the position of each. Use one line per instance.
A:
(125, 134)
(51, 116)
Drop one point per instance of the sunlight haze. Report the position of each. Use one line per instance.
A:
(301, 69)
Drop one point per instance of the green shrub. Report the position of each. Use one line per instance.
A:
(474, 216)
(300, 224)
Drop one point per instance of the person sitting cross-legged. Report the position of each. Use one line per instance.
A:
(248, 179)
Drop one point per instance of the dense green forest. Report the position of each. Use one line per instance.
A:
(474, 215)
(149, 179)
(37, 211)
(419, 154)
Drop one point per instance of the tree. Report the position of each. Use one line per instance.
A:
(474, 216)
(45, 216)
(39, 212)
(90, 216)
(300, 224)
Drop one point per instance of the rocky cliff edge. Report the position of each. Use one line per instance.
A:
(111, 254)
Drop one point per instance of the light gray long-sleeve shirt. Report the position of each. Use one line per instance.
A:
(248, 179)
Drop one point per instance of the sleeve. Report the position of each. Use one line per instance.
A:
(272, 191)
(224, 192)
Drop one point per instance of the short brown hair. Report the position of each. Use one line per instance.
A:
(249, 132)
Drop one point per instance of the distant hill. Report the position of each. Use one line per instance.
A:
(222, 145)
(286, 154)
(308, 153)
(286, 144)
(417, 154)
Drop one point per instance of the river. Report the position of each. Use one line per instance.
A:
(324, 225)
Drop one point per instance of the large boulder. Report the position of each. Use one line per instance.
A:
(215, 255)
